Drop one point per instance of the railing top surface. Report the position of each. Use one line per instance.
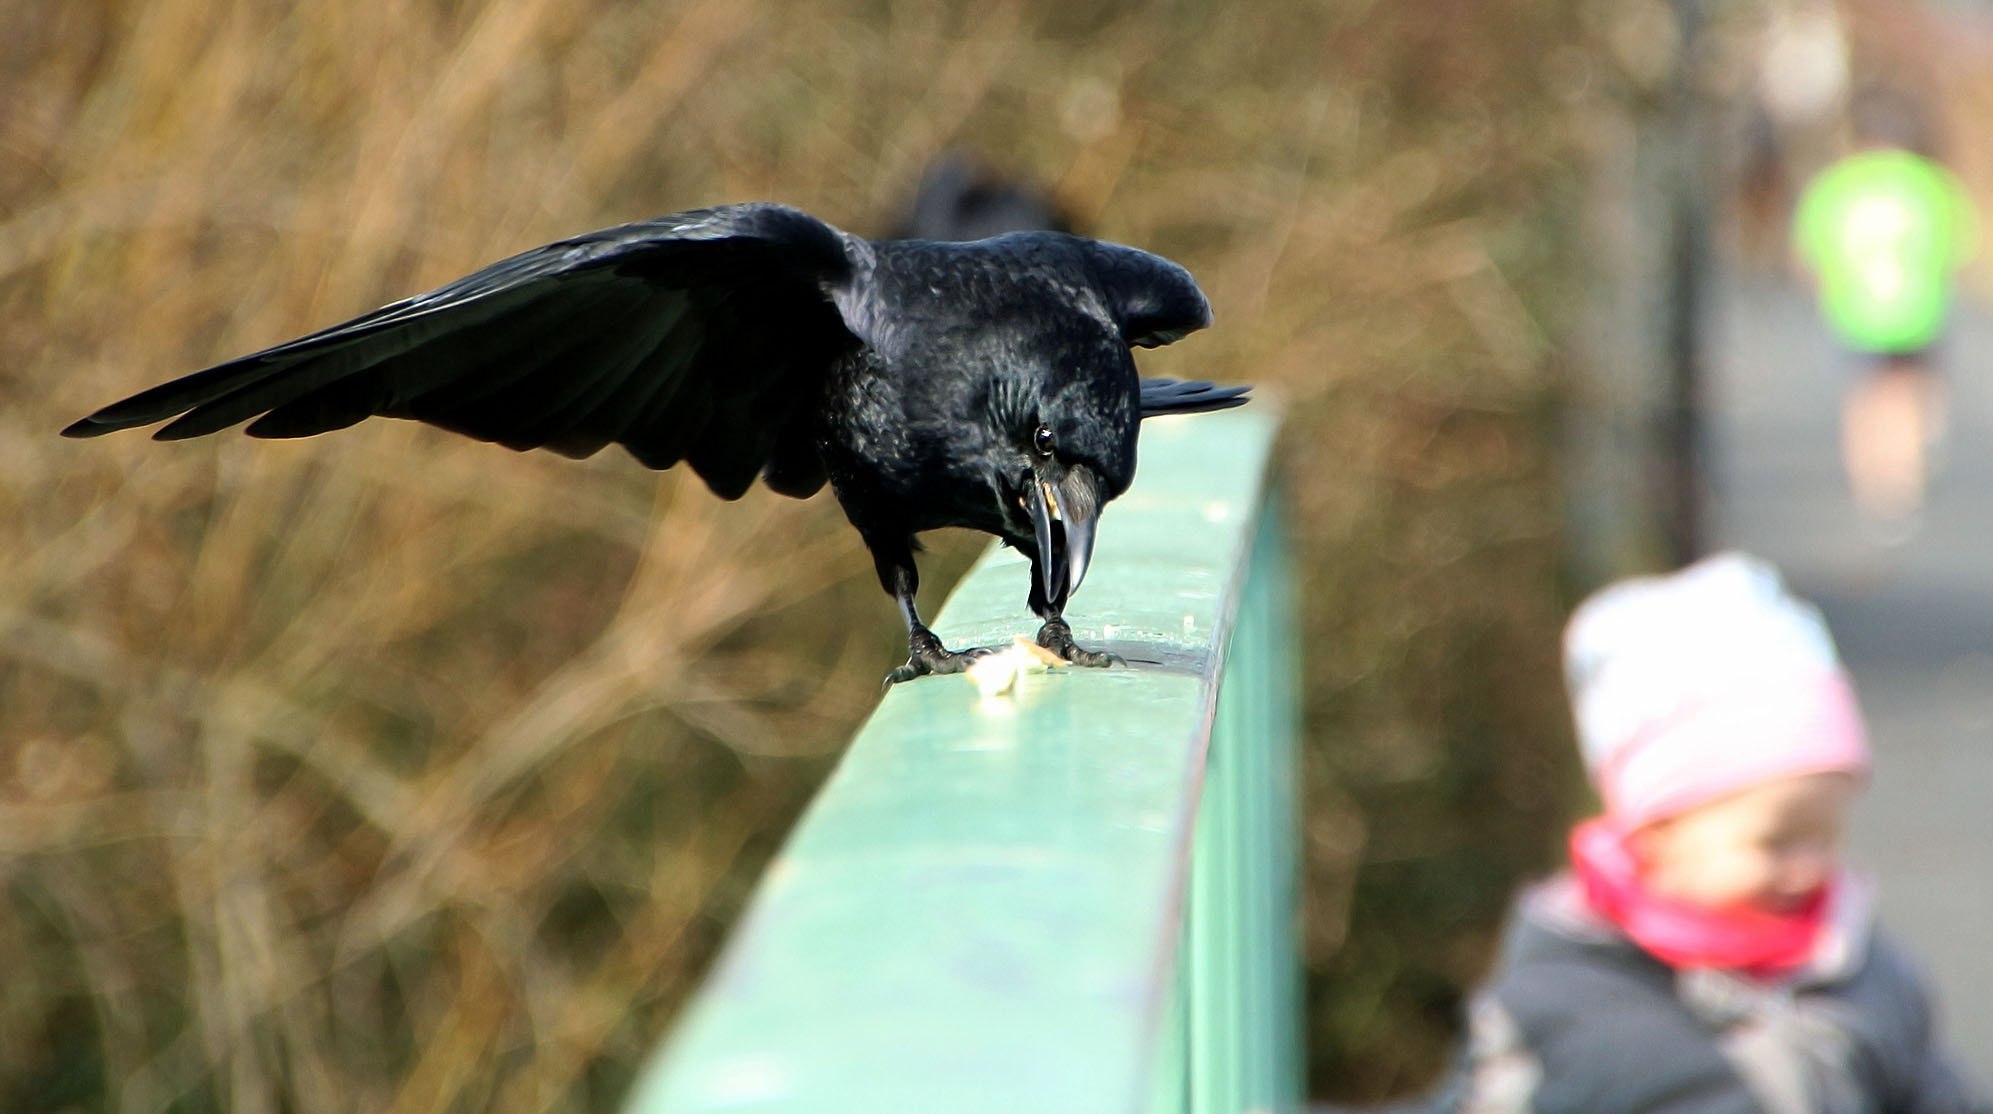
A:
(978, 910)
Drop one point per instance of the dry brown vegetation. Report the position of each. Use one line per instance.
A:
(386, 771)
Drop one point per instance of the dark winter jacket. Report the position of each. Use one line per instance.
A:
(1579, 1020)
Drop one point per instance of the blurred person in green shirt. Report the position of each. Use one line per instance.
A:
(1883, 232)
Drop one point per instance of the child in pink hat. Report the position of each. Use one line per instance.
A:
(1706, 951)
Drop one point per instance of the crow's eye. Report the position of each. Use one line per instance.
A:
(1042, 441)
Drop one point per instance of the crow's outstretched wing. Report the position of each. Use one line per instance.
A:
(700, 337)
(1188, 396)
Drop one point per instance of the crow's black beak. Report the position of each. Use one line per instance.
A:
(1063, 516)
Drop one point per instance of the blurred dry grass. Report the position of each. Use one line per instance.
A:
(387, 772)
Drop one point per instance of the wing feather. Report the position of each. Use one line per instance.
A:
(694, 337)
(338, 404)
(621, 410)
(340, 366)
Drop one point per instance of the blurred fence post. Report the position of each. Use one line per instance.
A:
(1634, 461)
(1077, 898)
(1682, 490)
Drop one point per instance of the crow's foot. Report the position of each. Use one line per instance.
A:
(1057, 637)
(932, 657)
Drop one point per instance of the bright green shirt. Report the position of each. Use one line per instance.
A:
(1884, 231)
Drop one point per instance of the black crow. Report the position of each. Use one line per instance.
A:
(986, 384)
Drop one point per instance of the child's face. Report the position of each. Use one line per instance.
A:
(1770, 847)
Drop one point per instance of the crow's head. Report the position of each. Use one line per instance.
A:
(1062, 453)
(1068, 404)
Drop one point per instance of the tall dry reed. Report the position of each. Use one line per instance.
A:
(385, 771)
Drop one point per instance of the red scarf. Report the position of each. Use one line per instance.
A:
(1760, 943)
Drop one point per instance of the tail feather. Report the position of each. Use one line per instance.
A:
(1188, 396)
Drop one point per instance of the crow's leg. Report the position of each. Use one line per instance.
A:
(1057, 637)
(925, 653)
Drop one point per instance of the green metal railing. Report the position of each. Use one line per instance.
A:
(1079, 897)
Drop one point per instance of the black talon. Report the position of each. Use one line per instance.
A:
(935, 660)
(928, 656)
(1057, 637)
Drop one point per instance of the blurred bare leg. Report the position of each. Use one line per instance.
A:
(1887, 423)
(1936, 418)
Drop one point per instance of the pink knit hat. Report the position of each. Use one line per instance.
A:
(1695, 685)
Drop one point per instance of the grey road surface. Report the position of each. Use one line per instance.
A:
(1914, 619)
